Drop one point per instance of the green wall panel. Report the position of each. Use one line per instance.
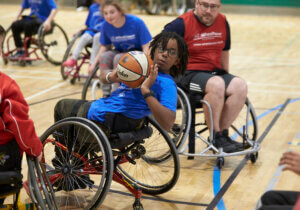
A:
(282, 3)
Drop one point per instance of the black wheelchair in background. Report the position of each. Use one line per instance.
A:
(80, 160)
(52, 45)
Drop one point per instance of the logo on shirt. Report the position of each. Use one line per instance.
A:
(208, 36)
(123, 38)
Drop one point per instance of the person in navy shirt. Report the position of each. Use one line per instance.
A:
(123, 32)
(42, 12)
(126, 107)
(92, 33)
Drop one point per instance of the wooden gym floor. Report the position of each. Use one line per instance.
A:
(265, 52)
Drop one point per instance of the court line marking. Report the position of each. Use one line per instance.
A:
(46, 90)
(35, 77)
(32, 71)
(218, 201)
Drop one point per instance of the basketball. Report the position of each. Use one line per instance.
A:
(133, 68)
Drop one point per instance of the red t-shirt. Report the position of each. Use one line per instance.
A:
(205, 44)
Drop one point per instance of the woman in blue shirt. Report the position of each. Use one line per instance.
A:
(122, 32)
(42, 12)
(92, 33)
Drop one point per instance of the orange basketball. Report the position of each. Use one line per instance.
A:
(133, 68)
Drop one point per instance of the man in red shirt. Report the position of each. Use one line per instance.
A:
(207, 35)
(17, 132)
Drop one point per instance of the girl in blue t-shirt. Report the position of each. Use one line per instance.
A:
(42, 12)
(120, 33)
(92, 32)
(126, 107)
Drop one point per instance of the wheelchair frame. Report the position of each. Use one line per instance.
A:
(37, 43)
(187, 128)
(40, 181)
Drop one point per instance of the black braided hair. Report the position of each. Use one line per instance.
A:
(161, 40)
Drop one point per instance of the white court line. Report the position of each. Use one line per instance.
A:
(273, 85)
(33, 77)
(29, 71)
(46, 90)
(286, 93)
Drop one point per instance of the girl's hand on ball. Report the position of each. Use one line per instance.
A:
(149, 81)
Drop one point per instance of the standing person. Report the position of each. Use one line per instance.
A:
(207, 34)
(283, 200)
(42, 12)
(122, 31)
(92, 33)
(17, 132)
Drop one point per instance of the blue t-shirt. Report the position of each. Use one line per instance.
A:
(94, 20)
(131, 36)
(39, 8)
(130, 102)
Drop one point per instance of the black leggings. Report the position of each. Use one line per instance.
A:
(28, 25)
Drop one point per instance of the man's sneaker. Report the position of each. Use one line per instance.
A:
(18, 54)
(239, 146)
(69, 63)
(222, 142)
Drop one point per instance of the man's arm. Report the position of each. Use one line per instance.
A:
(19, 13)
(225, 60)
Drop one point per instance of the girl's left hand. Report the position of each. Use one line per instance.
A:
(149, 81)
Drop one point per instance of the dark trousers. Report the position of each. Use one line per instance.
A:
(28, 25)
(279, 200)
(10, 160)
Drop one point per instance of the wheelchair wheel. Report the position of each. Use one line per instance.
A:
(53, 43)
(8, 46)
(78, 163)
(82, 62)
(92, 87)
(245, 125)
(182, 124)
(157, 171)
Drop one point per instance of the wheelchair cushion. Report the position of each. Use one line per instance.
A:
(123, 139)
(11, 182)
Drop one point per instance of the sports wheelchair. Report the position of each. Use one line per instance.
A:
(52, 45)
(144, 161)
(190, 122)
(82, 61)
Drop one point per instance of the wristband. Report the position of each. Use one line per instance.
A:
(151, 93)
(106, 77)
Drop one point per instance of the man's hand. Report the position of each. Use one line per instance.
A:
(292, 161)
(39, 158)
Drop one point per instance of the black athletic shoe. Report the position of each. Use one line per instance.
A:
(239, 146)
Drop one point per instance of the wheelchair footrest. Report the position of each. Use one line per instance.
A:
(121, 140)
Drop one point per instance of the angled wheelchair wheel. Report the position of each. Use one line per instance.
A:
(156, 171)
(8, 46)
(92, 87)
(245, 125)
(82, 61)
(53, 43)
(77, 165)
(182, 124)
